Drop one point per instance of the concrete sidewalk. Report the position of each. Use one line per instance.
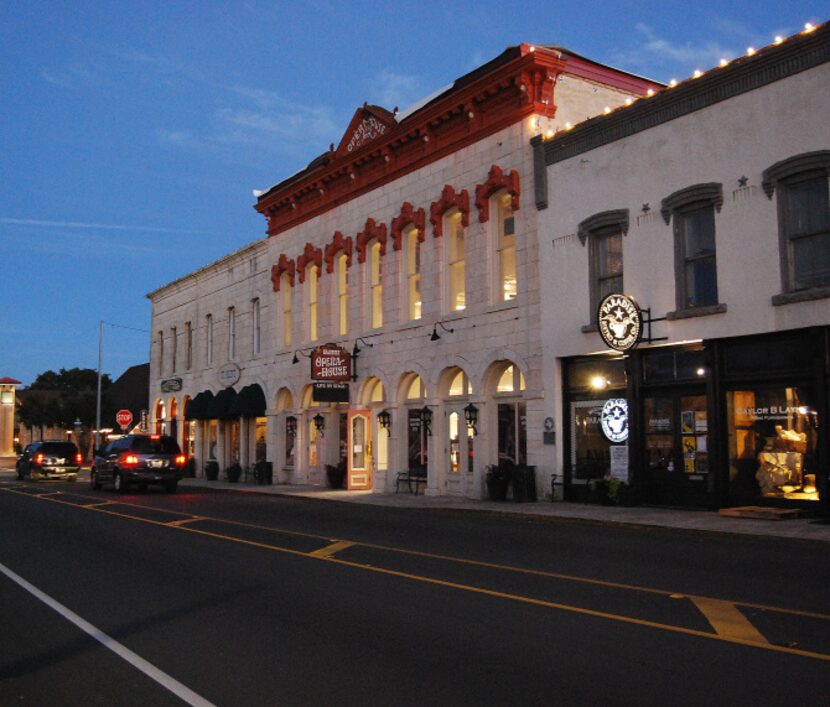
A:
(804, 529)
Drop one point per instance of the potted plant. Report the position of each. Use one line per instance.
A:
(190, 468)
(233, 472)
(497, 478)
(212, 470)
(336, 475)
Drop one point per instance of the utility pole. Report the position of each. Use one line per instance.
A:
(98, 397)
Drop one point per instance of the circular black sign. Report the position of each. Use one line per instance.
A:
(619, 322)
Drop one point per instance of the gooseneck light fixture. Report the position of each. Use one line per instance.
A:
(435, 335)
(300, 352)
(426, 420)
(385, 421)
(471, 418)
(356, 350)
(319, 423)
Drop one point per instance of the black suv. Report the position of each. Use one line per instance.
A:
(49, 459)
(140, 460)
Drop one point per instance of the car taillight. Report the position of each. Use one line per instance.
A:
(181, 460)
(39, 458)
(79, 458)
(129, 460)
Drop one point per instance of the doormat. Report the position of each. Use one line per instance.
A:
(762, 513)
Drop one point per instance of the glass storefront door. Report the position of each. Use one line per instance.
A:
(676, 449)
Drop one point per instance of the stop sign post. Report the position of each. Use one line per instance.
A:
(124, 418)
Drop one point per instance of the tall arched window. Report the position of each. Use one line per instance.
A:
(506, 247)
(455, 262)
(375, 285)
(343, 293)
(413, 273)
(312, 279)
(286, 292)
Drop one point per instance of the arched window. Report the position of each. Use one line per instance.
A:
(312, 280)
(286, 292)
(413, 273)
(375, 285)
(506, 247)
(343, 293)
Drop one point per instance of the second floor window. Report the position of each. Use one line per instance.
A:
(455, 262)
(161, 353)
(506, 248)
(343, 294)
(413, 273)
(286, 295)
(256, 334)
(312, 281)
(698, 281)
(174, 345)
(805, 221)
(603, 233)
(188, 345)
(375, 286)
(209, 339)
(231, 333)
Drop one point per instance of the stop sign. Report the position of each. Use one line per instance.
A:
(124, 418)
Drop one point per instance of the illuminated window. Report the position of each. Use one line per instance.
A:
(511, 381)
(286, 294)
(343, 294)
(604, 233)
(312, 303)
(455, 262)
(375, 285)
(506, 247)
(413, 273)
(174, 344)
(416, 389)
(460, 385)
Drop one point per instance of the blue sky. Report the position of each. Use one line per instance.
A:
(132, 134)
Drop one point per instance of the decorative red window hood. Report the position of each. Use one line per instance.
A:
(376, 148)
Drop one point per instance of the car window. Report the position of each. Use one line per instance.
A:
(61, 449)
(148, 445)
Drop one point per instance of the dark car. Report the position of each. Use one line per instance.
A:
(139, 460)
(49, 459)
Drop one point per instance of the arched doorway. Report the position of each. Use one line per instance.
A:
(159, 426)
(505, 386)
(457, 464)
(412, 394)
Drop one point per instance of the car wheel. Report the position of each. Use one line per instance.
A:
(118, 483)
(94, 482)
(170, 486)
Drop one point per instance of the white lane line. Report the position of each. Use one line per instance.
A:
(150, 670)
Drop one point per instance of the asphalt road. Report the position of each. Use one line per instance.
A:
(231, 599)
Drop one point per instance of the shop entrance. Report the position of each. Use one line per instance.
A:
(676, 448)
(359, 476)
(459, 451)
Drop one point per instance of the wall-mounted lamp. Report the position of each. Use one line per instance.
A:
(426, 420)
(385, 421)
(319, 423)
(471, 417)
(291, 426)
(435, 335)
(356, 350)
(301, 353)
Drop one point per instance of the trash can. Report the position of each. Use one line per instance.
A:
(524, 483)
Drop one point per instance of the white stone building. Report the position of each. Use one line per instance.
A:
(415, 242)
(707, 203)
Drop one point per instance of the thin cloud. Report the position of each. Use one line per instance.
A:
(102, 226)
(687, 54)
(392, 89)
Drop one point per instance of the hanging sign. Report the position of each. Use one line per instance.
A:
(620, 322)
(331, 363)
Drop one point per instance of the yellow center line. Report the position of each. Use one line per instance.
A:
(727, 620)
(329, 550)
(730, 632)
(97, 505)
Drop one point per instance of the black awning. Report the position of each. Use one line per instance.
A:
(220, 406)
(250, 402)
(196, 409)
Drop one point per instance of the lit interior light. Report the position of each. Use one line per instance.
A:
(778, 39)
(599, 383)
(803, 410)
(701, 371)
(809, 27)
(697, 74)
(724, 62)
(750, 51)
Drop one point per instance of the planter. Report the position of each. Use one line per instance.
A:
(335, 475)
(233, 472)
(523, 479)
(497, 489)
(212, 471)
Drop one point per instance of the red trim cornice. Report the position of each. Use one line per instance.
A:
(338, 242)
(371, 230)
(449, 199)
(496, 181)
(408, 217)
(284, 265)
(311, 255)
